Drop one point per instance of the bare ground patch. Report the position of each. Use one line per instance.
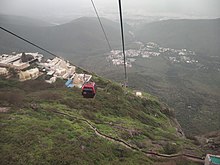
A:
(4, 109)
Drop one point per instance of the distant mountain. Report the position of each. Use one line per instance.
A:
(84, 35)
(23, 21)
(203, 36)
(81, 36)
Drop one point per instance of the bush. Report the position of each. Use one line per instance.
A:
(114, 88)
(12, 98)
(35, 85)
(168, 112)
(170, 148)
(8, 84)
(100, 82)
(193, 138)
(149, 103)
(91, 116)
(50, 96)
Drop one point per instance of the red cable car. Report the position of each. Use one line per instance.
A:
(89, 90)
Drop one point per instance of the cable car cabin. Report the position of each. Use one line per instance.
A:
(89, 90)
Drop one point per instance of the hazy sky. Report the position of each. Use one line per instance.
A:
(199, 8)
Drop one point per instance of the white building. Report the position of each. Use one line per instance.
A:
(9, 59)
(3, 71)
(139, 94)
(19, 65)
(29, 74)
(51, 80)
(58, 68)
(14, 61)
(80, 79)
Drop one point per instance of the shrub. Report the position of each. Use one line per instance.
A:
(5, 83)
(114, 88)
(193, 138)
(50, 96)
(100, 82)
(91, 116)
(168, 112)
(170, 148)
(12, 98)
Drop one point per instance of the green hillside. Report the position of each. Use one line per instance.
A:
(50, 124)
(192, 91)
(180, 86)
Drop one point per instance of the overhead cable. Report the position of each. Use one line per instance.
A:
(100, 22)
(39, 47)
(22, 38)
(123, 41)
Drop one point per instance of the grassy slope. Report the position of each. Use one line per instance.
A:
(179, 85)
(182, 86)
(31, 133)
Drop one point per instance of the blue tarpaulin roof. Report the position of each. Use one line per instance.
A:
(69, 83)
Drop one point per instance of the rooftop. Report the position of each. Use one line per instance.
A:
(215, 159)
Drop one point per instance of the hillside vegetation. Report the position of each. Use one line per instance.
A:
(35, 131)
(193, 92)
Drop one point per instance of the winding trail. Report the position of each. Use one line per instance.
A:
(129, 146)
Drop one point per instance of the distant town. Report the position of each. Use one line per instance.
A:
(151, 50)
(29, 66)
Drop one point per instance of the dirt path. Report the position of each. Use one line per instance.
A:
(133, 148)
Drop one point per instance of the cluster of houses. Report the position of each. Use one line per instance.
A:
(117, 57)
(57, 68)
(29, 66)
(151, 50)
(20, 63)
